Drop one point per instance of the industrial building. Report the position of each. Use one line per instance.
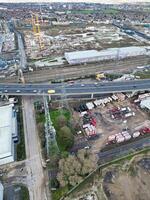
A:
(1, 191)
(78, 57)
(145, 103)
(8, 132)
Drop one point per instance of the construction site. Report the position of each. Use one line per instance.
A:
(77, 102)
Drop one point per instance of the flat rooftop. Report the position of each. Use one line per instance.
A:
(6, 131)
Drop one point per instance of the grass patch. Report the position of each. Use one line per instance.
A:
(86, 12)
(56, 113)
(54, 116)
(57, 194)
(24, 193)
(143, 75)
(40, 117)
(111, 11)
(21, 154)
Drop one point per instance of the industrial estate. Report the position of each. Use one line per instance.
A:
(74, 101)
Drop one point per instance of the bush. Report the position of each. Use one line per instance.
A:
(54, 183)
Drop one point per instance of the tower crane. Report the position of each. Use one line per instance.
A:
(36, 29)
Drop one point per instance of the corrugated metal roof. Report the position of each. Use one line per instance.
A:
(145, 103)
(111, 53)
(1, 191)
(81, 54)
(6, 134)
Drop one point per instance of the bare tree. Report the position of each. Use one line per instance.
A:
(75, 167)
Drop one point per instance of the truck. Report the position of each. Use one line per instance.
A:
(130, 114)
(145, 130)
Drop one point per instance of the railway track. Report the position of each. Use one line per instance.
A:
(81, 70)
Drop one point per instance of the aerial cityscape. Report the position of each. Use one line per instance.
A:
(75, 100)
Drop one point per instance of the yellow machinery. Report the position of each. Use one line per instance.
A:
(36, 29)
(100, 76)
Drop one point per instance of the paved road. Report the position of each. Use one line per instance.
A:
(23, 60)
(123, 150)
(75, 89)
(36, 181)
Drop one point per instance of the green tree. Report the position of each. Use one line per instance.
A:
(61, 121)
(65, 135)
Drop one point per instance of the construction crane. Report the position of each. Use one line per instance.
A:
(36, 29)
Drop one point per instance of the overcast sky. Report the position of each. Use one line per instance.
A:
(97, 1)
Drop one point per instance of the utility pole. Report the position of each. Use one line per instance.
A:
(50, 132)
(64, 100)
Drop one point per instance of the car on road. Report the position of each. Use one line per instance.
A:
(35, 91)
(5, 91)
(51, 91)
(18, 91)
(82, 85)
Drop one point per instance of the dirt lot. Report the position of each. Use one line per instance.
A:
(107, 126)
(128, 180)
(131, 185)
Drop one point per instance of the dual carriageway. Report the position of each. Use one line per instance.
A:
(76, 89)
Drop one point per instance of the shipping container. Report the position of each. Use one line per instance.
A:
(127, 137)
(111, 138)
(136, 134)
(120, 139)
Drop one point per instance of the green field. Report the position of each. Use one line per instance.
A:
(111, 11)
(143, 75)
(88, 12)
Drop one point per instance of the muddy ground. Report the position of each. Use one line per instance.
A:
(132, 184)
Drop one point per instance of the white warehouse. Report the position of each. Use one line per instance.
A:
(1, 191)
(8, 128)
(78, 57)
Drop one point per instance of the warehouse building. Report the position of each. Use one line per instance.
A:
(78, 57)
(1, 191)
(8, 129)
(145, 103)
